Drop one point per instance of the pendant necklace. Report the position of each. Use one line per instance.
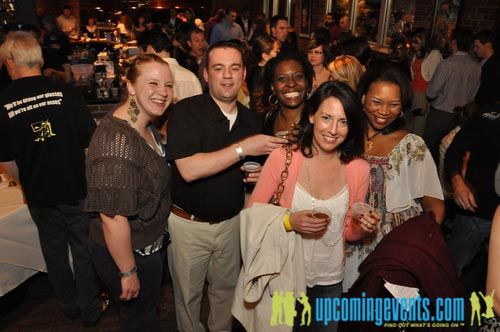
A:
(309, 185)
(369, 140)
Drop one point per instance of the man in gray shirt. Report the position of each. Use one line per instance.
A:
(227, 29)
(454, 83)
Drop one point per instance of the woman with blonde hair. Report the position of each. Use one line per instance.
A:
(347, 69)
(128, 195)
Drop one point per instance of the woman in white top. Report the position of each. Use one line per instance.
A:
(403, 177)
(324, 171)
(125, 25)
(423, 64)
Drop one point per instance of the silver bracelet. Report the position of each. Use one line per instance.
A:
(128, 273)
(239, 151)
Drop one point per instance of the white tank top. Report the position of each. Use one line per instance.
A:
(324, 256)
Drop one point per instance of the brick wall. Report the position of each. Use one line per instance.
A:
(481, 14)
(424, 13)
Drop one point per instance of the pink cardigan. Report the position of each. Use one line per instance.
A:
(358, 177)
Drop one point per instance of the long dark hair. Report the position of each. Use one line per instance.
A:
(388, 72)
(353, 145)
(425, 47)
(262, 44)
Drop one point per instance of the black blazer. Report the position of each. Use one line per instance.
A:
(240, 22)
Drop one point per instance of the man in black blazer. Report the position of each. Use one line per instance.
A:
(244, 21)
(484, 48)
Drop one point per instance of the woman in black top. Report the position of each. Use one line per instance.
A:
(90, 29)
(264, 48)
(288, 80)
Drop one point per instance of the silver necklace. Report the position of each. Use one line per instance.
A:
(309, 183)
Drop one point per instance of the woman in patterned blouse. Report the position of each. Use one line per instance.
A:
(403, 176)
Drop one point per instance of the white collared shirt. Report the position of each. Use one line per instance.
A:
(186, 84)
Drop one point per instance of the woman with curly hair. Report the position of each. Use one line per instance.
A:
(288, 81)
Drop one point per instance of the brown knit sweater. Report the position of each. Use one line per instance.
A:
(126, 177)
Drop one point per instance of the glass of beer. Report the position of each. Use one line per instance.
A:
(321, 213)
(282, 134)
(250, 167)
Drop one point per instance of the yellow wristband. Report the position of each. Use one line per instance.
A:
(287, 223)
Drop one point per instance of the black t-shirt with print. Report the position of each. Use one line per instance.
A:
(45, 127)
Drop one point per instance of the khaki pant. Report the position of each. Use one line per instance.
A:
(200, 251)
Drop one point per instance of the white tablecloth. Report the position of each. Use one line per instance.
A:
(20, 254)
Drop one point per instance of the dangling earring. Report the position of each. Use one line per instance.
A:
(269, 100)
(401, 115)
(133, 110)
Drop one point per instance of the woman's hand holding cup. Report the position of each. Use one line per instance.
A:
(310, 222)
(367, 217)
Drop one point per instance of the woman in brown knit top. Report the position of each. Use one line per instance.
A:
(128, 183)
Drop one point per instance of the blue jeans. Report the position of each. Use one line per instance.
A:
(58, 227)
(468, 234)
(330, 291)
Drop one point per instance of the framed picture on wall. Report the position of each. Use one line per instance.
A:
(446, 16)
(305, 18)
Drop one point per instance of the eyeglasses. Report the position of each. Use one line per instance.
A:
(315, 52)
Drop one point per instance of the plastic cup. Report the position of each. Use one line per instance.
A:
(282, 134)
(358, 208)
(114, 92)
(321, 213)
(250, 167)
